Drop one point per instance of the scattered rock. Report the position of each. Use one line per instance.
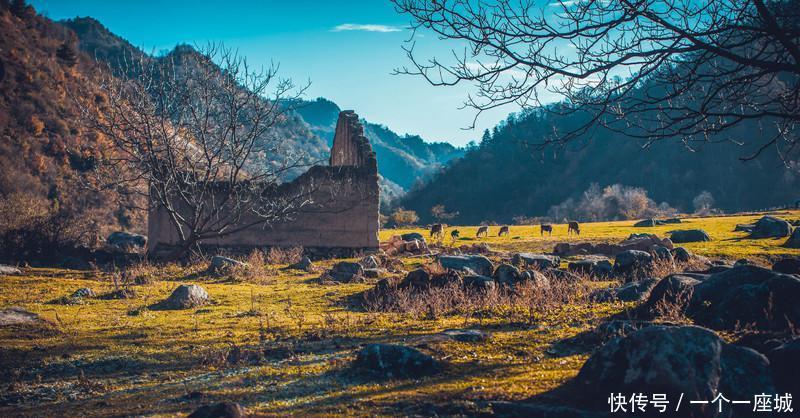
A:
(369, 262)
(562, 275)
(476, 263)
(744, 228)
(75, 263)
(9, 270)
(645, 242)
(629, 292)
(535, 276)
(597, 267)
(646, 223)
(743, 262)
(794, 239)
(83, 292)
(219, 410)
(662, 254)
(304, 264)
(681, 255)
(771, 227)
(466, 335)
(787, 266)
(673, 360)
(122, 293)
(223, 265)
(747, 296)
(506, 274)
(672, 292)
(412, 236)
(418, 279)
(186, 296)
(785, 363)
(372, 273)
(629, 262)
(126, 242)
(689, 235)
(540, 261)
(346, 271)
(396, 361)
(479, 283)
(18, 316)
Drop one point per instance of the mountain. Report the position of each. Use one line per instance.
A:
(505, 176)
(402, 160)
(46, 152)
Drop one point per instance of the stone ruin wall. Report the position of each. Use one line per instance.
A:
(344, 215)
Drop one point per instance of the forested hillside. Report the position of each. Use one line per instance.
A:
(508, 176)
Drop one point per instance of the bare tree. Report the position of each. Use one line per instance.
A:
(191, 133)
(651, 69)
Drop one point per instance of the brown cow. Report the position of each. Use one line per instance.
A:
(573, 226)
(547, 228)
(482, 231)
(454, 234)
(437, 230)
(503, 231)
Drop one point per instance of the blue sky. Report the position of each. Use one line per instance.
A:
(347, 49)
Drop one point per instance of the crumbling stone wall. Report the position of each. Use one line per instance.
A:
(343, 215)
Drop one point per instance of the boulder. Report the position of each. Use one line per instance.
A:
(689, 235)
(785, 362)
(418, 279)
(346, 271)
(479, 283)
(747, 296)
(794, 239)
(304, 264)
(644, 242)
(629, 292)
(372, 273)
(787, 266)
(75, 263)
(219, 410)
(223, 265)
(672, 292)
(645, 223)
(466, 335)
(540, 261)
(476, 263)
(396, 361)
(186, 296)
(562, 275)
(412, 236)
(506, 274)
(672, 221)
(744, 228)
(18, 316)
(597, 267)
(126, 242)
(370, 262)
(628, 263)
(536, 277)
(448, 278)
(662, 254)
(83, 292)
(771, 227)
(681, 255)
(687, 361)
(9, 270)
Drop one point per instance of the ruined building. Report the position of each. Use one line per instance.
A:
(342, 218)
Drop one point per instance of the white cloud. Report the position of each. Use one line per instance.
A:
(366, 28)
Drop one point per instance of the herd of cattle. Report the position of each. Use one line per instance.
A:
(437, 230)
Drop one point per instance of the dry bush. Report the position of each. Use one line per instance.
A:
(526, 301)
(257, 269)
(143, 273)
(278, 255)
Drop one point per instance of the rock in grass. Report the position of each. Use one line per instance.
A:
(771, 227)
(186, 296)
(396, 361)
(466, 335)
(674, 360)
(506, 274)
(476, 263)
(597, 267)
(18, 316)
(304, 264)
(223, 265)
(629, 292)
(219, 410)
(346, 272)
(630, 262)
(479, 283)
(125, 242)
(681, 254)
(83, 292)
(9, 270)
(689, 235)
(794, 239)
(540, 261)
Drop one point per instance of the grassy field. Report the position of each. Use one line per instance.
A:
(283, 346)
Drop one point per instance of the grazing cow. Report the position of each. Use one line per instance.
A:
(547, 228)
(503, 231)
(454, 234)
(573, 226)
(482, 231)
(437, 230)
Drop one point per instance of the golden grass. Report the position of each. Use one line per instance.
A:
(309, 332)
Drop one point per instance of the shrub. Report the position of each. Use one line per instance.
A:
(402, 217)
